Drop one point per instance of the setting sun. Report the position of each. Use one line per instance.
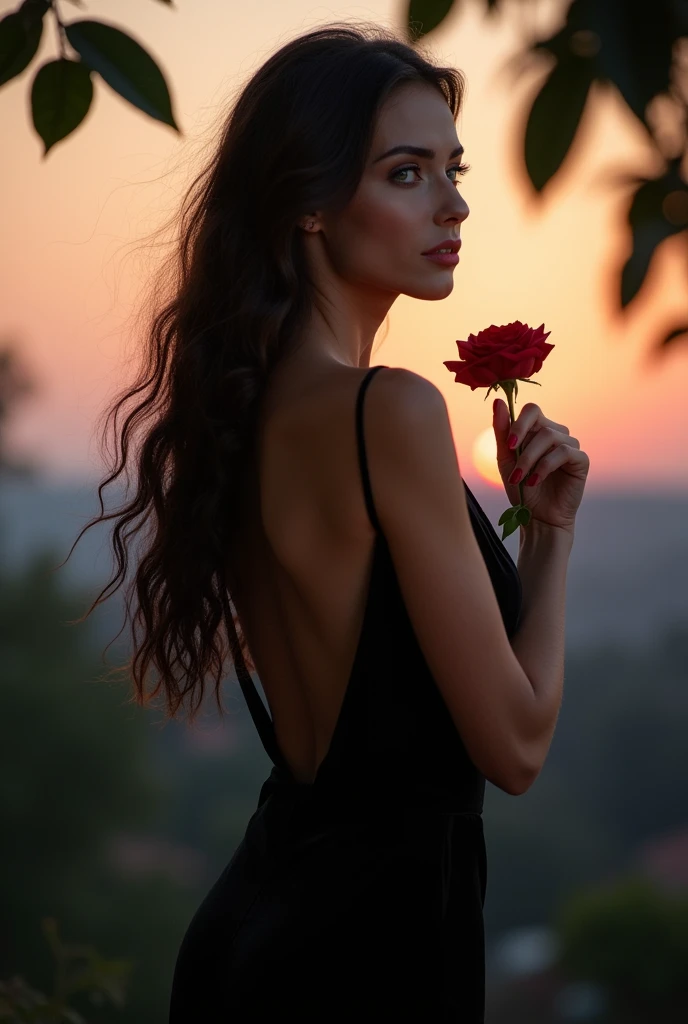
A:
(484, 455)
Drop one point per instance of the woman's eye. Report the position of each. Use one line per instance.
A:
(459, 168)
(401, 170)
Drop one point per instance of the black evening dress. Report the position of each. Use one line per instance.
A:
(360, 895)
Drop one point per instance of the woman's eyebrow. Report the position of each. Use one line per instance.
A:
(429, 154)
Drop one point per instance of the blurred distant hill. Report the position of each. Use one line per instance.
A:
(627, 575)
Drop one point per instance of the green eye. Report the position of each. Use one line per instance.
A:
(459, 168)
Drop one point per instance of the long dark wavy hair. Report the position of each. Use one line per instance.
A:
(227, 302)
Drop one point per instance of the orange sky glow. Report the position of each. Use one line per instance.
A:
(67, 284)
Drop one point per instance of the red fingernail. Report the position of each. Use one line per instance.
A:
(532, 479)
(515, 476)
(513, 441)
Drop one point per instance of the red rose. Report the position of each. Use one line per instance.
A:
(510, 352)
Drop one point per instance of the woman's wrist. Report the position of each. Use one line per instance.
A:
(541, 536)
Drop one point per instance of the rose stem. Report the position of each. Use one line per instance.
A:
(510, 398)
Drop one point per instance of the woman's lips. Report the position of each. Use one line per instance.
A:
(447, 259)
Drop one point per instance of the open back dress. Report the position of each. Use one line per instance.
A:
(359, 895)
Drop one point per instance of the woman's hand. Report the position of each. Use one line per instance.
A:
(546, 448)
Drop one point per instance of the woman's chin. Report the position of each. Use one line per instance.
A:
(432, 291)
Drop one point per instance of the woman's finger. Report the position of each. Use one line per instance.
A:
(529, 421)
(533, 451)
(564, 454)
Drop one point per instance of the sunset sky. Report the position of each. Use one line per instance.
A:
(69, 271)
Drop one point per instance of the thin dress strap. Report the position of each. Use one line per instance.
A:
(259, 713)
(362, 458)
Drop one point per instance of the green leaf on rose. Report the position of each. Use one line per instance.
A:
(517, 515)
(507, 515)
(523, 515)
(509, 527)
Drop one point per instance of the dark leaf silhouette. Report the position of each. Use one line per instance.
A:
(20, 35)
(61, 95)
(425, 15)
(638, 59)
(554, 118)
(124, 65)
(658, 210)
(673, 335)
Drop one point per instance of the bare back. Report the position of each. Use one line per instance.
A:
(305, 553)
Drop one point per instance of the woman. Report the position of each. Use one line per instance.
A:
(404, 658)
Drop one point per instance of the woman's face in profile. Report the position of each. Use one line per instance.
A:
(405, 203)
